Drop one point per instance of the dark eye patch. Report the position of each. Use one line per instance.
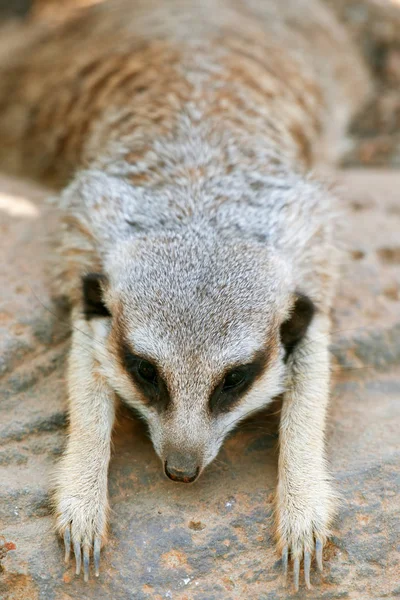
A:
(146, 377)
(235, 379)
(147, 372)
(235, 383)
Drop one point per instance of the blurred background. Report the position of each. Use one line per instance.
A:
(27, 8)
(14, 7)
(374, 24)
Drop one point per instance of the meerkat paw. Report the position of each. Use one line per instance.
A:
(82, 522)
(302, 530)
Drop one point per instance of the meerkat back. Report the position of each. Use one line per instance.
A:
(61, 80)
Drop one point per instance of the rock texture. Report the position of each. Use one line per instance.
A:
(211, 540)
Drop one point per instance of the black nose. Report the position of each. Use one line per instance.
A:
(181, 475)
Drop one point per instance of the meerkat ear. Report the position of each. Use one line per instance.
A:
(295, 327)
(93, 303)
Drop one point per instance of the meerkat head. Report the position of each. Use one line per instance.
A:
(198, 328)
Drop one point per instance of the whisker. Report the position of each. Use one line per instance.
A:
(219, 461)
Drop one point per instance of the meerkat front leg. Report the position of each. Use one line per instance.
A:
(81, 479)
(304, 499)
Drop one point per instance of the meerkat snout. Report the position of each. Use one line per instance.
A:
(182, 467)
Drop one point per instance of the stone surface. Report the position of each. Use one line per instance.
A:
(211, 540)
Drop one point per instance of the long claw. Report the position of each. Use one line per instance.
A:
(285, 554)
(77, 551)
(86, 563)
(96, 555)
(296, 573)
(318, 553)
(67, 543)
(307, 565)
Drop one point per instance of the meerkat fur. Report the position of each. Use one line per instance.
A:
(197, 250)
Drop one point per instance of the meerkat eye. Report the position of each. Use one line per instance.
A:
(234, 379)
(141, 369)
(236, 383)
(146, 376)
(147, 372)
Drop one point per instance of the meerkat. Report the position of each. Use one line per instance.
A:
(198, 252)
